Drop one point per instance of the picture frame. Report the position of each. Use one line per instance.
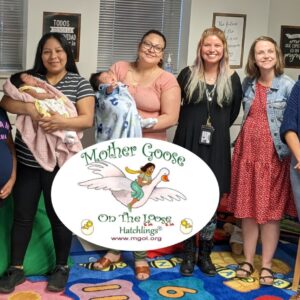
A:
(234, 26)
(290, 45)
(66, 23)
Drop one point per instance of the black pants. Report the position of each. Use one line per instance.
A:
(27, 191)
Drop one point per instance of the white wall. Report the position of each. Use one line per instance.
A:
(89, 11)
(257, 12)
(284, 13)
(263, 18)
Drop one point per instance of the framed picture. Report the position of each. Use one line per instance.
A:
(290, 45)
(234, 26)
(66, 23)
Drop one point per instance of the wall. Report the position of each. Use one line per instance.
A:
(89, 11)
(284, 13)
(263, 18)
(257, 12)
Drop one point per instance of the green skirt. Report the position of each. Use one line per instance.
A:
(40, 254)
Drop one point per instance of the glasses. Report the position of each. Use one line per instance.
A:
(148, 46)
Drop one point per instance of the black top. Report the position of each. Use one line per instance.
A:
(194, 115)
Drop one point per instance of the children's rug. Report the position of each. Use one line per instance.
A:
(119, 282)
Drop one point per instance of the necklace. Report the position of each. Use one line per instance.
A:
(210, 94)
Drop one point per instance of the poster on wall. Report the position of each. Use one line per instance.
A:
(233, 26)
(66, 23)
(290, 46)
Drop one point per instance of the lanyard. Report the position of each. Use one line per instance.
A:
(209, 96)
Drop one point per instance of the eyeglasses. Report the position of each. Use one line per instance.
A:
(148, 46)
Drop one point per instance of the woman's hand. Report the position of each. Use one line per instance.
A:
(297, 167)
(32, 111)
(169, 110)
(53, 123)
(7, 188)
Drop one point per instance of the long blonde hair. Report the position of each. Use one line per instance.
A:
(223, 83)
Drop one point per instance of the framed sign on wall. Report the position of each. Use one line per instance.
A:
(66, 23)
(234, 26)
(290, 45)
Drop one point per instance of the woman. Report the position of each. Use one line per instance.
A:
(8, 158)
(260, 188)
(211, 98)
(144, 178)
(157, 95)
(290, 132)
(54, 63)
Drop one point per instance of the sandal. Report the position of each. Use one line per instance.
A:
(262, 279)
(142, 270)
(295, 297)
(105, 262)
(247, 272)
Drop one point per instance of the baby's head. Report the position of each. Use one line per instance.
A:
(28, 79)
(24, 77)
(107, 77)
(104, 77)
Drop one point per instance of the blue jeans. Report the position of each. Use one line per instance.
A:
(295, 181)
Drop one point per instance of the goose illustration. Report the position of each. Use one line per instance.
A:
(115, 180)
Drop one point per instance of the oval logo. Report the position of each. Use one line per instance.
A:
(135, 194)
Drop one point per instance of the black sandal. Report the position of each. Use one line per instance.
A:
(262, 279)
(247, 272)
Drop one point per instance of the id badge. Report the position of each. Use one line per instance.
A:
(206, 135)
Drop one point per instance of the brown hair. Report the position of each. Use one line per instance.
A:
(251, 68)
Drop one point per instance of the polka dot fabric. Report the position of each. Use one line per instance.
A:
(260, 186)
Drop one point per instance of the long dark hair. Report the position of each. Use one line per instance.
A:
(146, 166)
(39, 67)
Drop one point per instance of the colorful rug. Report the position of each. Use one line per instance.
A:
(119, 283)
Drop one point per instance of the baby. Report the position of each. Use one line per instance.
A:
(116, 113)
(47, 100)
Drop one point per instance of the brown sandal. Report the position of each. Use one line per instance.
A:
(262, 279)
(105, 262)
(142, 270)
(295, 297)
(247, 272)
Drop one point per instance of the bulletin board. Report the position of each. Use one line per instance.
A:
(66, 23)
(290, 45)
(234, 26)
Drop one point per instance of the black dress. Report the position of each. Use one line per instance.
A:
(194, 115)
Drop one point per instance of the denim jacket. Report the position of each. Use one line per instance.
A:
(277, 97)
